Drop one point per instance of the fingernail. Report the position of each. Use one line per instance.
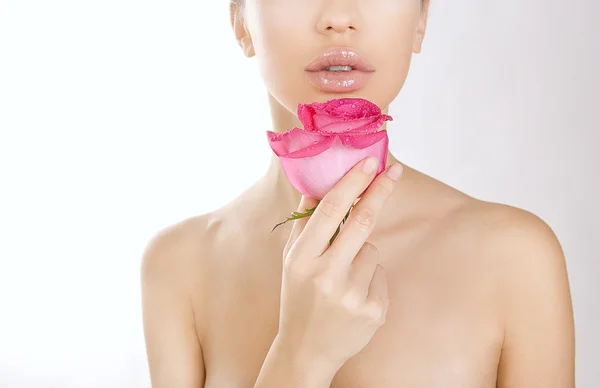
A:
(395, 171)
(370, 165)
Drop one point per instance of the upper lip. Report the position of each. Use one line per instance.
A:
(340, 57)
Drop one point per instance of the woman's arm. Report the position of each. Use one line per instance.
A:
(539, 343)
(173, 349)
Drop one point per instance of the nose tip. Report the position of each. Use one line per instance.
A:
(340, 28)
(338, 24)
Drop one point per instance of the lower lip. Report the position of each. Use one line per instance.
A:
(340, 81)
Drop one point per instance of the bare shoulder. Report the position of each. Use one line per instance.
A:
(526, 259)
(171, 272)
(509, 233)
(176, 251)
(171, 247)
(499, 236)
(190, 253)
(493, 229)
(519, 258)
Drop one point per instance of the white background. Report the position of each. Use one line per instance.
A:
(118, 118)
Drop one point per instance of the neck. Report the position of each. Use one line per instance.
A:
(275, 180)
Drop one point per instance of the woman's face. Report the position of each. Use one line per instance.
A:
(288, 35)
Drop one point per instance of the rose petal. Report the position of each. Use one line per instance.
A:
(353, 107)
(344, 107)
(305, 115)
(312, 150)
(321, 120)
(363, 141)
(315, 176)
(295, 140)
(341, 115)
(363, 125)
(374, 126)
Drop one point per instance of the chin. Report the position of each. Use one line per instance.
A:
(307, 94)
(364, 93)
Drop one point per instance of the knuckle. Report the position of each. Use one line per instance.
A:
(289, 265)
(289, 259)
(381, 273)
(296, 268)
(370, 251)
(364, 264)
(351, 301)
(364, 218)
(386, 186)
(286, 253)
(377, 312)
(329, 208)
(324, 285)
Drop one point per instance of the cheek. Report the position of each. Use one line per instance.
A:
(285, 42)
(392, 42)
(392, 33)
(274, 22)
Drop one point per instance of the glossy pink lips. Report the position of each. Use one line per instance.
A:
(332, 82)
(339, 81)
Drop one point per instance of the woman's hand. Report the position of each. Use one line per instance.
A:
(334, 298)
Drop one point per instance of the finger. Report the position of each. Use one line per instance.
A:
(363, 268)
(333, 207)
(378, 299)
(363, 217)
(299, 224)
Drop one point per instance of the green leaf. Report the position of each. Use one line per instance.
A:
(296, 216)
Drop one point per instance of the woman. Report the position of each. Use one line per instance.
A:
(472, 293)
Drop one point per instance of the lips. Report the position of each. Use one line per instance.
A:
(342, 81)
(340, 57)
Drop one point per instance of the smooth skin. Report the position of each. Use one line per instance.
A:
(424, 287)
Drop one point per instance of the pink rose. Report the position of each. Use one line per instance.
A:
(337, 135)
